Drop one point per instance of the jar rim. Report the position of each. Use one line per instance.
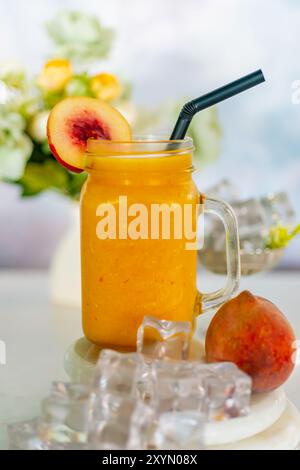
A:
(141, 145)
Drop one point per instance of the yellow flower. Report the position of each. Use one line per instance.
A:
(55, 75)
(106, 86)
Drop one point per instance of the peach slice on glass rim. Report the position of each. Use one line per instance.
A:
(76, 119)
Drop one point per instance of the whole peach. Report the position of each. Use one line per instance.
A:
(253, 333)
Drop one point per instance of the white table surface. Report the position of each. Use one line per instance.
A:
(38, 333)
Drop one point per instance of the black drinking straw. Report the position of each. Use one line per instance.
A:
(192, 107)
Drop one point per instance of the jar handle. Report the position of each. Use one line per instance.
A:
(208, 301)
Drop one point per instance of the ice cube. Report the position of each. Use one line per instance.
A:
(123, 391)
(128, 425)
(179, 430)
(123, 375)
(162, 339)
(228, 391)
(66, 414)
(251, 223)
(255, 217)
(218, 391)
(278, 209)
(24, 436)
(178, 387)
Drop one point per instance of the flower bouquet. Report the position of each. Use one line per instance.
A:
(25, 158)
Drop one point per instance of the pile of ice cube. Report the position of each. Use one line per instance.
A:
(155, 398)
(255, 216)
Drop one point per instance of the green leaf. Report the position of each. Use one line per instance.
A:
(38, 155)
(51, 98)
(41, 176)
(79, 85)
(295, 232)
(45, 149)
(75, 184)
(279, 236)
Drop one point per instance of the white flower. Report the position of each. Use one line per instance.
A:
(15, 145)
(79, 36)
(17, 93)
(13, 75)
(6, 93)
(37, 128)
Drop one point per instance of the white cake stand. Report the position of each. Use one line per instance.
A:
(272, 424)
(284, 434)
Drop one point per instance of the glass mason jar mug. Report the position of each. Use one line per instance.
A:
(139, 216)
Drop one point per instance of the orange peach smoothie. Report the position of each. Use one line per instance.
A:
(125, 279)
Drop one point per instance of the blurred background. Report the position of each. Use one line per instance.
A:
(147, 58)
